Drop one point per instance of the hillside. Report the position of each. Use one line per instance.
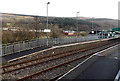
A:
(19, 27)
(105, 23)
(69, 23)
(63, 23)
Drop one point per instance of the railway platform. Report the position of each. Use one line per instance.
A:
(70, 61)
(104, 68)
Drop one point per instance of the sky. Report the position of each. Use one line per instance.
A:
(62, 8)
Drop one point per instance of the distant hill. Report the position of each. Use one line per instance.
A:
(105, 23)
(69, 23)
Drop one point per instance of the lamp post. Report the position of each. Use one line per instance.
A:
(47, 21)
(77, 25)
(92, 28)
(77, 20)
(92, 24)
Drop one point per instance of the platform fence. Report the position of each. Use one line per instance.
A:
(27, 45)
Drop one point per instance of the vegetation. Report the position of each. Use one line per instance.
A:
(71, 24)
(21, 27)
(10, 36)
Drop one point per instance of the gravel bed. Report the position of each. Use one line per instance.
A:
(39, 67)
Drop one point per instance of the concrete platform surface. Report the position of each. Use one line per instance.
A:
(105, 68)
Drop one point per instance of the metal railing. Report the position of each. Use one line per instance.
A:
(27, 45)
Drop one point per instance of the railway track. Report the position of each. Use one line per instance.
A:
(42, 59)
(33, 62)
(48, 66)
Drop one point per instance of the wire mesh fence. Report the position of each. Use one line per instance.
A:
(27, 45)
